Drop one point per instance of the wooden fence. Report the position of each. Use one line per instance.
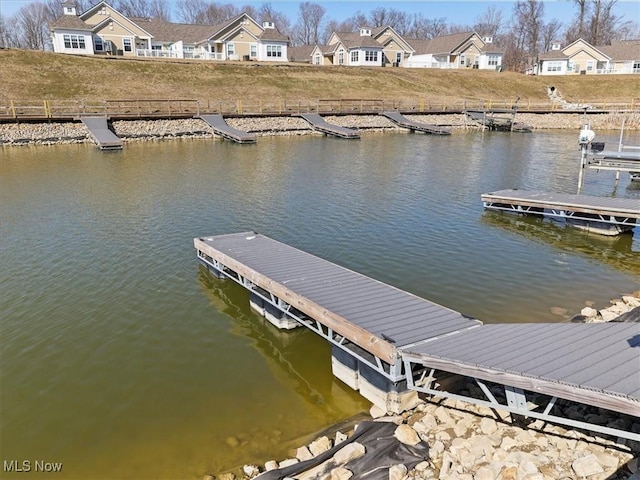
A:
(186, 108)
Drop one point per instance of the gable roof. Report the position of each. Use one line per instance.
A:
(355, 40)
(163, 31)
(449, 43)
(70, 22)
(622, 51)
(301, 53)
(273, 35)
(553, 55)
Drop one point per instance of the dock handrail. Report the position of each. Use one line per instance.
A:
(47, 109)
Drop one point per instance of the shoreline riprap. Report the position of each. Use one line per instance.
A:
(53, 133)
(469, 442)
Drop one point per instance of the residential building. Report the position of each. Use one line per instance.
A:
(582, 58)
(102, 30)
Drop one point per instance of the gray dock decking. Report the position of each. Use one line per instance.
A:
(318, 123)
(102, 136)
(222, 128)
(594, 364)
(605, 215)
(404, 122)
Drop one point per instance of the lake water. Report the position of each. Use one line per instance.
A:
(123, 359)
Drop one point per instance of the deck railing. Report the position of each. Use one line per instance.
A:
(185, 108)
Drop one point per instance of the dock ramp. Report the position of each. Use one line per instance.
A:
(404, 122)
(222, 128)
(318, 123)
(102, 136)
(389, 344)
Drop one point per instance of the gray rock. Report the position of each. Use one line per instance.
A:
(407, 435)
(397, 472)
(349, 452)
(320, 445)
(341, 473)
(251, 470)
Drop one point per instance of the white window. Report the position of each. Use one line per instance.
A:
(370, 56)
(97, 44)
(462, 60)
(354, 56)
(274, 50)
(231, 49)
(493, 60)
(554, 66)
(398, 58)
(341, 57)
(156, 47)
(316, 59)
(126, 44)
(636, 66)
(254, 51)
(74, 41)
(590, 66)
(570, 66)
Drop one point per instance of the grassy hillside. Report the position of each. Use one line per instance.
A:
(31, 75)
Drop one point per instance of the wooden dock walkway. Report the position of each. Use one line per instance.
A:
(102, 136)
(605, 215)
(318, 123)
(222, 128)
(390, 344)
(404, 122)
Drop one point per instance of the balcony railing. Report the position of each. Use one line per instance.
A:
(143, 52)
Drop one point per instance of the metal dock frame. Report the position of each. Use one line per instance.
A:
(222, 128)
(404, 122)
(318, 123)
(101, 134)
(390, 342)
(618, 213)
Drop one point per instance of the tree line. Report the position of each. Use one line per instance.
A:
(523, 33)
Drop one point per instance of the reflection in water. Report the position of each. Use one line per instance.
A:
(619, 251)
(293, 356)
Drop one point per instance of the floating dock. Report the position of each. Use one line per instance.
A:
(603, 215)
(319, 124)
(102, 136)
(404, 122)
(222, 128)
(501, 120)
(390, 344)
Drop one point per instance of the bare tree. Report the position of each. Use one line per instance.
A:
(308, 28)
(161, 9)
(602, 22)
(8, 33)
(266, 13)
(528, 19)
(437, 27)
(190, 11)
(549, 34)
(490, 22)
(628, 30)
(32, 23)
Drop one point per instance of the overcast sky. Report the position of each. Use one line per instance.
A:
(461, 12)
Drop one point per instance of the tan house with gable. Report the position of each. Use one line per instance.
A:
(349, 48)
(103, 30)
(582, 58)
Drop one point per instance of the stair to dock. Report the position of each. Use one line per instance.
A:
(404, 122)
(101, 134)
(222, 128)
(319, 124)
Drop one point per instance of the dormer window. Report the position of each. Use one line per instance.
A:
(270, 25)
(365, 32)
(555, 46)
(487, 39)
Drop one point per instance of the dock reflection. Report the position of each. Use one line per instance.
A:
(619, 251)
(297, 358)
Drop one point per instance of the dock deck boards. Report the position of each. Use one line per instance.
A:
(358, 307)
(102, 136)
(595, 364)
(222, 128)
(607, 206)
(404, 122)
(598, 364)
(320, 124)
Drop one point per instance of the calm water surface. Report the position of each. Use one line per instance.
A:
(122, 358)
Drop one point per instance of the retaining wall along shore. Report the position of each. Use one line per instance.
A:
(15, 134)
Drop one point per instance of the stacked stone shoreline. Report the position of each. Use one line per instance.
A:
(469, 442)
(16, 134)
